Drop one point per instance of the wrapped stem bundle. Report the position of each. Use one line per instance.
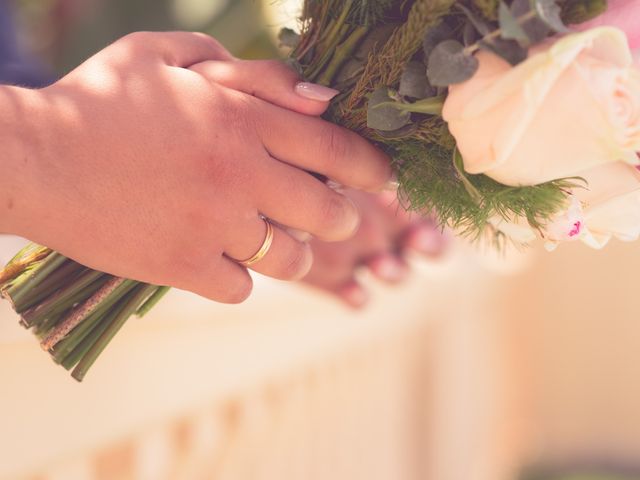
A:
(393, 61)
(73, 310)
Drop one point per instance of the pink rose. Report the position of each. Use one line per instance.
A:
(608, 208)
(611, 204)
(573, 105)
(624, 14)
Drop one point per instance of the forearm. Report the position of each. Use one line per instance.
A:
(21, 114)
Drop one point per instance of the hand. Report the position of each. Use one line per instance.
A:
(154, 160)
(386, 234)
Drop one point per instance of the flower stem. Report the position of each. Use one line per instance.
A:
(152, 301)
(81, 312)
(138, 296)
(22, 286)
(342, 54)
(61, 298)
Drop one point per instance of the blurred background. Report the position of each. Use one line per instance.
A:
(482, 367)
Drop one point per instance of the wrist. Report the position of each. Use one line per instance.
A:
(22, 135)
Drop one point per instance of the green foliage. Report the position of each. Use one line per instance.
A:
(387, 99)
(370, 12)
(578, 11)
(382, 114)
(550, 13)
(449, 63)
(431, 184)
(511, 29)
(488, 8)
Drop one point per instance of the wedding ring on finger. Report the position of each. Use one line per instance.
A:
(264, 248)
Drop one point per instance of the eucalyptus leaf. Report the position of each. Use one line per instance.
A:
(481, 26)
(436, 35)
(414, 83)
(510, 50)
(381, 113)
(399, 133)
(450, 63)
(550, 13)
(469, 34)
(535, 28)
(509, 26)
(288, 38)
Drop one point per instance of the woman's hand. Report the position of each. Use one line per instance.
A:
(154, 160)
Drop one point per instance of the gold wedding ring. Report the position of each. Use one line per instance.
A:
(264, 249)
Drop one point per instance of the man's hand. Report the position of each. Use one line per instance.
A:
(386, 234)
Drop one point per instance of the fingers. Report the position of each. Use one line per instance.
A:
(421, 235)
(319, 146)
(179, 49)
(427, 239)
(296, 199)
(269, 80)
(286, 259)
(388, 268)
(353, 294)
(222, 280)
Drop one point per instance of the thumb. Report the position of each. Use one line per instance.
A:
(269, 80)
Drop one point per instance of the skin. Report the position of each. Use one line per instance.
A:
(154, 159)
(386, 235)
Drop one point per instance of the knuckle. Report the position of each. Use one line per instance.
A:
(216, 47)
(137, 38)
(277, 69)
(336, 146)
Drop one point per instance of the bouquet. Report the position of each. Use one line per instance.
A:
(502, 122)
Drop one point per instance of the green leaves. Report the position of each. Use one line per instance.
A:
(387, 113)
(288, 38)
(578, 11)
(549, 12)
(413, 82)
(522, 24)
(511, 28)
(434, 36)
(449, 63)
(509, 50)
(382, 113)
(536, 29)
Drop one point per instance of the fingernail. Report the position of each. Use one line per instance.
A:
(391, 270)
(355, 295)
(313, 91)
(429, 241)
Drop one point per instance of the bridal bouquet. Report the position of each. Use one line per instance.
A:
(504, 120)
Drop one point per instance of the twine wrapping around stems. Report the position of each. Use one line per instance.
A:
(80, 313)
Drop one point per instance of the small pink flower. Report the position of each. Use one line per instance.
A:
(567, 225)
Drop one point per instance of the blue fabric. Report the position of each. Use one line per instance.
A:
(17, 67)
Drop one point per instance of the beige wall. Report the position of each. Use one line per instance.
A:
(575, 320)
(471, 369)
